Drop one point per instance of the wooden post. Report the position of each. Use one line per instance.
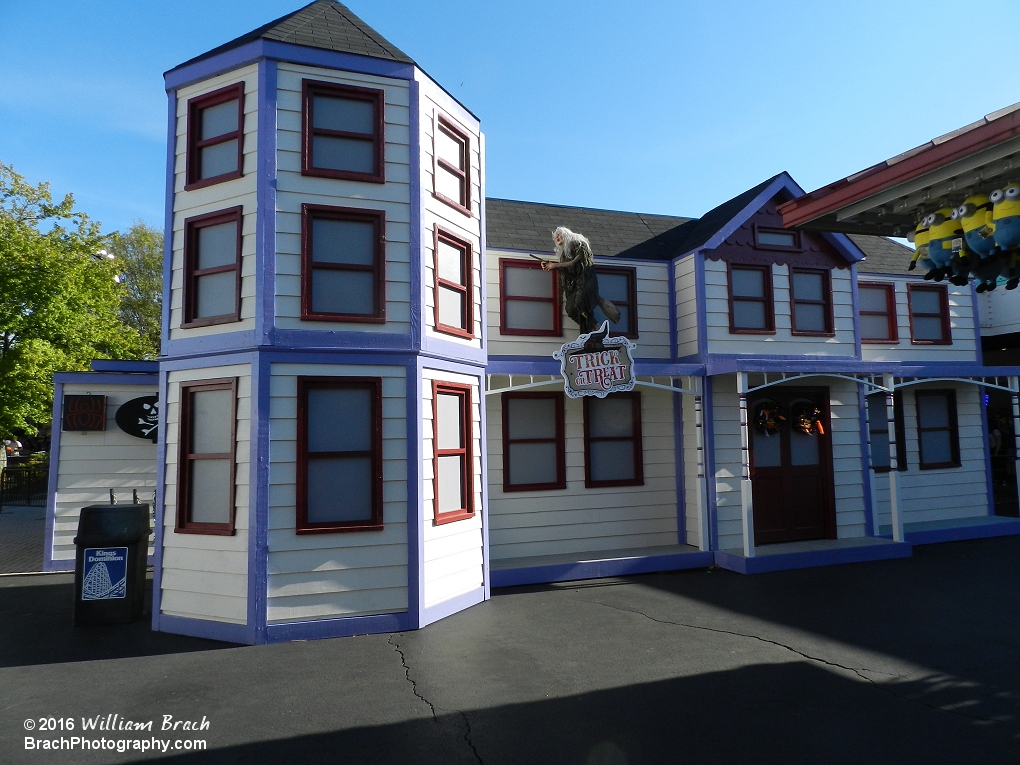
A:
(871, 466)
(702, 484)
(746, 497)
(890, 414)
(1014, 386)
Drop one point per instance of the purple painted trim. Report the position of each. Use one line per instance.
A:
(975, 313)
(265, 206)
(157, 544)
(417, 205)
(258, 511)
(986, 451)
(1008, 527)
(855, 307)
(484, 510)
(435, 346)
(203, 362)
(185, 74)
(674, 350)
(168, 214)
(130, 367)
(223, 341)
(283, 355)
(678, 461)
(719, 364)
(761, 564)
(708, 416)
(842, 242)
(415, 496)
(782, 181)
(701, 305)
(451, 365)
(538, 365)
(342, 627)
(103, 378)
(51, 482)
(201, 628)
(862, 420)
(453, 606)
(358, 341)
(597, 569)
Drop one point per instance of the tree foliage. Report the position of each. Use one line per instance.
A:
(59, 299)
(139, 253)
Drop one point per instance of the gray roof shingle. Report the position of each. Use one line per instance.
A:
(882, 256)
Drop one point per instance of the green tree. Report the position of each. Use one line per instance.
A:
(139, 252)
(59, 299)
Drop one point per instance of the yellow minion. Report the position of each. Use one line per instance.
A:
(919, 237)
(942, 229)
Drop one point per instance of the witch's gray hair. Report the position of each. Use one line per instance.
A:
(568, 237)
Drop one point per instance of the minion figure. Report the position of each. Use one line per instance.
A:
(919, 237)
(975, 216)
(1006, 224)
(942, 229)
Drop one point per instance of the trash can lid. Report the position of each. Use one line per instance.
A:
(112, 524)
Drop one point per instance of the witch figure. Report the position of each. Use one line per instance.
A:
(579, 285)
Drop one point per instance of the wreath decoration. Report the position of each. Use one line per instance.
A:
(768, 419)
(808, 419)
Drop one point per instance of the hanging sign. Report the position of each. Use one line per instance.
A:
(84, 413)
(139, 417)
(596, 364)
(105, 573)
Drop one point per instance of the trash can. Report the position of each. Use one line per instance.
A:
(109, 569)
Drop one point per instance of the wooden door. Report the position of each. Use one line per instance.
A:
(791, 471)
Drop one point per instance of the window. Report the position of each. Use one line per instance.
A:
(339, 455)
(342, 273)
(937, 435)
(215, 137)
(453, 497)
(810, 302)
(876, 306)
(343, 132)
(533, 442)
(612, 440)
(751, 300)
(929, 315)
(452, 177)
(529, 299)
(453, 293)
(212, 268)
(205, 487)
(618, 286)
(878, 428)
(776, 239)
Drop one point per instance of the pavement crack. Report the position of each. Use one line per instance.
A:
(407, 676)
(467, 738)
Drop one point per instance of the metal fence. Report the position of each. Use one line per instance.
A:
(24, 486)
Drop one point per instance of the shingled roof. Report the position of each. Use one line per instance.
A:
(882, 256)
(322, 24)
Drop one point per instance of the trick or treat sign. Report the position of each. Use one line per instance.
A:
(596, 364)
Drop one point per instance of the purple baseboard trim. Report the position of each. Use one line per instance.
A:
(202, 628)
(598, 569)
(436, 347)
(452, 606)
(765, 563)
(1007, 528)
(342, 627)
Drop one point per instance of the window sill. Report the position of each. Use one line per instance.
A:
(930, 342)
(445, 518)
(455, 332)
(344, 175)
(216, 531)
(799, 333)
(738, 331)
(939, 466)
(507, 489)
(338, 528)
(210, 321)
(344, 317)
(879, 342)
(455, 205)
(191, 186)
(606, 484)
(532, 332)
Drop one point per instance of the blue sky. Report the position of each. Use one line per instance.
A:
(649, 106)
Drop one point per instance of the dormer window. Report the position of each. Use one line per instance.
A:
(776, 239)
(215, 137)
(343, 132)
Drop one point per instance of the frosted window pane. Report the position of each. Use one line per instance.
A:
(747, 283)
(339, 489)
(449, 149)
(451, 263)
(925, 301)
(217, 294)
(874, 328)
(339, 419)
(345, 114)
(343, 241)
(528, 314)
(612, 461)
(531, 418)
(748, 315)
(936, 447)
(218, 159)
(933, 411)
(528, 282)
(209, 488)
(803, 448)
(532, 463)
(872, 299)
(449, 185)
(219, 120)
(767, 449)
(809, 317)
(927, 328)
(622, 325)
(212, 415)
(610, 416)
(451, 308)
(217, 245)
(614, 287)
(451, 490)
(807, 286)
(351, 292)
(777, 238)
(353, 154)
(448, 424)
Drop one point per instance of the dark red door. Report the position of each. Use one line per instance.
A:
(791, 470)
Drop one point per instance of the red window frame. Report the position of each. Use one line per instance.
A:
(195, 144)
(467, 289)
(312, 88)
(631, 330)
(760, 245)
(185, 458)
(825, 302)
(462, 173)
(952, 428)
(881, 425)
(192, 272)
(559, 440)
(634, 438)
(309, 265)
(466, 452)
(305, 384)
(554, 299)
(943, 314)
(766, 299)
(889, 313)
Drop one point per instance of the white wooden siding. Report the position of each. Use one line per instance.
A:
(453, 551)
(90, 464)
(219, 196)
(685, 293)
(206, 576)
(580, 520)
(293, 190)
(961, 322)
(322, 576)
(782, 343)
(846, 458)
(949, 493)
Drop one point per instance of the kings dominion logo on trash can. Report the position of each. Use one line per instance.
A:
(596, 364)
(105, 575)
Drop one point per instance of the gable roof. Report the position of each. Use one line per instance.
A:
(324, 24)
(881, 255)
(699, 231)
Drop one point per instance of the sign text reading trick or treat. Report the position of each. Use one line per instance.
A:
(596, 364)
